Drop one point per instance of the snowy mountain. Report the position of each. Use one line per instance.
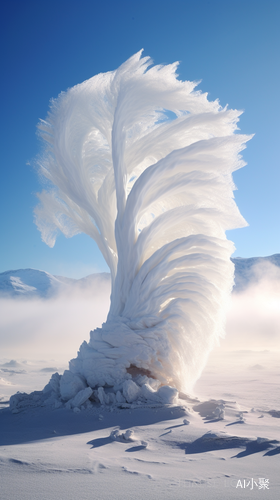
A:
(31, 283)
(251, 271)
(35, 283)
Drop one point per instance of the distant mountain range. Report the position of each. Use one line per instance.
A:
(252, 270)
(34, 283)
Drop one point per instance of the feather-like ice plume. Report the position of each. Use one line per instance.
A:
(143, 163)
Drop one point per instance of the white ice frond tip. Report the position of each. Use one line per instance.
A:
(143, 163)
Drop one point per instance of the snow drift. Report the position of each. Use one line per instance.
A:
(143, 163)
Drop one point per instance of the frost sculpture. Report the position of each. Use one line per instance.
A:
(143, 163)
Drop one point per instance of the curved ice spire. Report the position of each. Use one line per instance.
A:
(143, 163)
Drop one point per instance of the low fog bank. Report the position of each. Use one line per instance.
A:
(54, 328)
(253, 270)
(253, 320)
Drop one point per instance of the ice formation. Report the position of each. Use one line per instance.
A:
(143, 163)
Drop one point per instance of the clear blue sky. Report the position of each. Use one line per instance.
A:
(48, 46)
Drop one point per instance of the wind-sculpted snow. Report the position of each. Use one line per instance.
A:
(143, 163)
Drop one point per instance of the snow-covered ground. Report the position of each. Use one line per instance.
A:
(221, 442)
(204, 448)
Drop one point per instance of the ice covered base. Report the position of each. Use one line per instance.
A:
(71, 391)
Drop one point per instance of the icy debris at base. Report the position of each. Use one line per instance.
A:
(54, 384)
(70, 385)
(22, 401)
(54, 395)
(167, 394)
(126, 395)
(120, 398)
(105, 398)
(143, 379)
(80, 398)
(71, 391)
(131, 391)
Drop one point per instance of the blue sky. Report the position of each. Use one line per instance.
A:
(49, 46)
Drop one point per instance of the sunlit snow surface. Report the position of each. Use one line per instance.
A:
(190, 450)
(143, 163)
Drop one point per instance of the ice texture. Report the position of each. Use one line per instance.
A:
(81, 397)
(142, 162)
(70, 385)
